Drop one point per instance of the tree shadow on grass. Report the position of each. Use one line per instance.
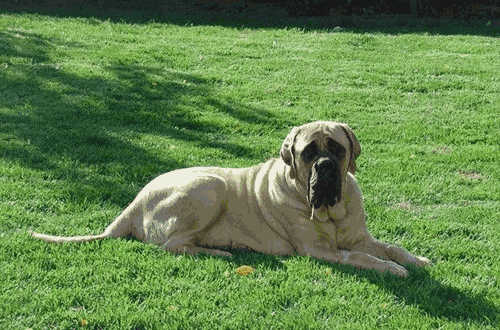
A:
(86, 129)
(254, 16)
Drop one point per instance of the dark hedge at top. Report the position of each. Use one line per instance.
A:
(431, 8)
(464, 9)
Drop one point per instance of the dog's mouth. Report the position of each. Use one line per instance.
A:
(324, 185)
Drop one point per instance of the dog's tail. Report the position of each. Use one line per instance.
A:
(64, 239)
(120, 227)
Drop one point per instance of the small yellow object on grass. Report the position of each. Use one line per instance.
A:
(83, 322)
(244, 270)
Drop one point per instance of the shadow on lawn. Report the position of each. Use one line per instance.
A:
(418, 289)
(432, 297)
(86, 129)
(437, 299)
(254, 16)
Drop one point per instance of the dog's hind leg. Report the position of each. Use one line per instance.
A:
(193, 250)
(177, 223)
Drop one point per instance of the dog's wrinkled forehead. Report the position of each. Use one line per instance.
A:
(319, 132)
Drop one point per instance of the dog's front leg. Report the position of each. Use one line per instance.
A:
(390, 252)
(354, 258)
(319, 240)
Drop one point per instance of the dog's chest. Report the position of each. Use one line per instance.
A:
(346, 235)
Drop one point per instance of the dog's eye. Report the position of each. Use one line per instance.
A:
(336, 148)
(310, 152)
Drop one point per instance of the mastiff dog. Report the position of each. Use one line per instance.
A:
(306, 202)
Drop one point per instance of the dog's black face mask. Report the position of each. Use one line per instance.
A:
(325, 178)
(325, 186)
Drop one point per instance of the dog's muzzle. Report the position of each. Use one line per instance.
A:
(325, 185)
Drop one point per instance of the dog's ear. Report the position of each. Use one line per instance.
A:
(354, 145)
(287, 151)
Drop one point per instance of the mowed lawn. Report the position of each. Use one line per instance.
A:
(91, 109)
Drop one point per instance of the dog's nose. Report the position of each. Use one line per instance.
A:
(324, 164)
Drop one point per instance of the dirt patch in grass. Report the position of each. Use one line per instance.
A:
(405, 206)
(470, 175)
(442, 150)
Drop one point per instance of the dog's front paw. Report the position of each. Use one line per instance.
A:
(422, 261)
(396, 269)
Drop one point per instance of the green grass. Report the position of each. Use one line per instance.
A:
(91, 109)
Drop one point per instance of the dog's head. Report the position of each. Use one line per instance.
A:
(319, 155)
